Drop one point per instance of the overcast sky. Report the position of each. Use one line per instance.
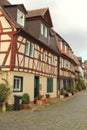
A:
(69, 18)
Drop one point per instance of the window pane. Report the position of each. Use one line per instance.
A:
(27, 48)
(52, 59)
(31, 50)
(44, 56)
(18, 83)
(42, 29)
(45, 31)
(49, 84)
(61, 44)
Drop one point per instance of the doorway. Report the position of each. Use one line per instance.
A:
(36, 86)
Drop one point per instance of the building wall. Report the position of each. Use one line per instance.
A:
(28, 84)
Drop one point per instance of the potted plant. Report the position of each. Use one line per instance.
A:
(25, 100)
(39, 99)
(47, 98)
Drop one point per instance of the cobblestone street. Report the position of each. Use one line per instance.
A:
(70, 114)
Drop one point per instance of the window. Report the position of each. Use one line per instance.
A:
(44, 56)
(65, 48)
(62, 62)
(52, 59)
(44, 30)
(49, 85)
(29, 49)
(20, 17)
(18, 83)
(61, 45)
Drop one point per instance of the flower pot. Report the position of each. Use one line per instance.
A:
(61, 96)
(46, 100)
(38, 102)
(25, 106)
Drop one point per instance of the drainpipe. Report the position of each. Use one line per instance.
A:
(13, 49)
(58, 76)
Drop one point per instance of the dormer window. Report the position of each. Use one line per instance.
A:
(65, 48)
(20, 17)
(44, 30)
(61, 45)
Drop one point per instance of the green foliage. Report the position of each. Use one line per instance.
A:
(25, 98)
(39, 97)
(70, 90)
(80, 85)
(0, 107)
(62, 91)
(4, 92)
(47, 95)
(85, 62)
(9, 107)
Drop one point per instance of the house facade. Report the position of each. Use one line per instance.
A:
(34, 59)
(69, 64)
(27, 62)
(84, 66)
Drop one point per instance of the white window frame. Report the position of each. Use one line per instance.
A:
(42, 29)
(44, 56)
(61, 45)
(65, 48)
(17, 86)
(45, 31)
(27, 48)
(52, 59)
(20, 17)
(62, 62)
(31, 50)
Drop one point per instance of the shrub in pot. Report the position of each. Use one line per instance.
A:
(25, 100)
(47, 98)
(39, 99)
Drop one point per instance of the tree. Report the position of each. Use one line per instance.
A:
(85, 61)
(4, 92)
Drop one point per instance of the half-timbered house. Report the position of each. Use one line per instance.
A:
(28, 51)
(69, 71)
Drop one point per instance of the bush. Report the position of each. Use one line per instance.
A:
(9, 107)
(47, 95)
(25, 98)
(4, 92)
(62, 91)
(78, 87)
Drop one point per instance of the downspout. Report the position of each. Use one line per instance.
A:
(58, 76)
(13, 49)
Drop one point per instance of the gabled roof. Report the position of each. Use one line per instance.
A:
(43, 12)
(16, 5)
(4, 2)
(36, 12)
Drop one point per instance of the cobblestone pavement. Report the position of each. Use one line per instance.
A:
(70, 114)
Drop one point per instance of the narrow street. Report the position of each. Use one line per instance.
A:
(70, 114)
